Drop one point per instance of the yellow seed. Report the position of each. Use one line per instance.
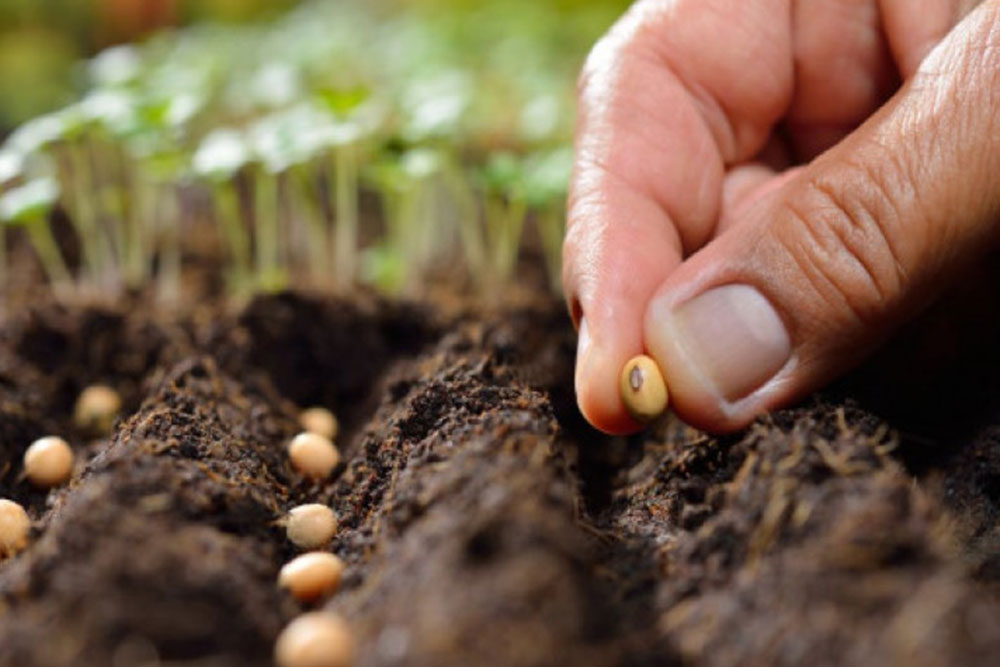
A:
(643, 390)
(48, 462)
(313, 455)
(311, 526)
(316, 639)
(97, 407)
(312, 575)
(14, 528)
(319, 421)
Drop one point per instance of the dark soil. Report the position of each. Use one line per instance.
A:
(482, 522)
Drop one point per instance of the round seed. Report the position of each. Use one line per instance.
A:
(319, 421)
(316, 639)
(14, 528)
(312, 575)
(48, 462)
(97, 407)
(311, 526)
(643, 390)
(313, 455)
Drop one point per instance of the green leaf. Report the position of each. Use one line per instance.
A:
(11, 165)
(30, 202)
(501, 174)
(221, 154)
(343, 102)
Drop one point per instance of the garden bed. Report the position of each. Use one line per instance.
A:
(481, 521)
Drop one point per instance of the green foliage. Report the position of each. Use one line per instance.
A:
(458, 121)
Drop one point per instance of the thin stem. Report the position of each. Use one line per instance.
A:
(346, 234)
(95, 253)
(550, 230)
(48, 252)
(3, 257)
(234, 236)
(514, 225)
(316, 229)
(469, 224)
(143, 215)
(168, 220)
(268, 253)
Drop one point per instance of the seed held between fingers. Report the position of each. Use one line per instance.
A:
(14, 528)
(316, 639)
(311, 526)
(312, 575)
(643, 389)
(48, 462)
(313, 455)
(319, 421)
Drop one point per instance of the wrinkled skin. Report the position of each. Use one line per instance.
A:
(839, 160)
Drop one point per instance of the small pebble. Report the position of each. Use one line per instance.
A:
(97, 407)
(311, 526)
(643, 390)
(14, 528)
(316, 639)
(48, 462)
(312, 575)
(313, 455)
(319, 421)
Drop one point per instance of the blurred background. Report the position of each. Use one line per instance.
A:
(41, 41)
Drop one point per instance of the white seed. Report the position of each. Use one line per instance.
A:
(48, 462)
(643, 390)
(319, 421)
(97, 407)
(14, 528)
(312, 575)
(311, 526)
(313, 455)
(316, 639)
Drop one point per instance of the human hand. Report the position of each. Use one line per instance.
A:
(764, 191)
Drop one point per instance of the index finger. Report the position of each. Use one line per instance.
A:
(677, 91)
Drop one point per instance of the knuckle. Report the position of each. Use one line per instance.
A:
(846, 241)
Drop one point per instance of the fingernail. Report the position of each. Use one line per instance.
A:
(731, 335)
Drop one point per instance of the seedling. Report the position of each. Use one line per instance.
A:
(312, 575)
(313, 455)
(14, 528)
(11, 168)
(643, 390)
(501, 180)
(48, 462)
(353, 121)
(545, 187)
(307, 107)
(320, 421)
(28, 206)
(221, 156)
(315, 639)
(96, 409)
(311, 526)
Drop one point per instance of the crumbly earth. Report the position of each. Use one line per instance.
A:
(481, 521)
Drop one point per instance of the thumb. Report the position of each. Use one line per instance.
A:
(819, 271)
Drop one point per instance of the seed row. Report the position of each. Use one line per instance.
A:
(316, 638)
